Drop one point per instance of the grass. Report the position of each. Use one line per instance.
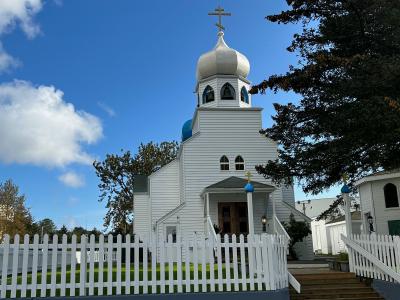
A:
(96, 273)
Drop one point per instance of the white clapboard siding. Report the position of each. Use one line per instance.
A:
(227, 257)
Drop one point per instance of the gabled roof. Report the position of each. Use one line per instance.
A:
(234, 183)
(395, 173)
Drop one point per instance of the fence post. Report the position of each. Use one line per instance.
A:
(63, 264)
(25, 266)
(396, 240)
(34, 264)
(350, 253)
(53, 282)
(6, 248)
(15, 266)
(82, 279)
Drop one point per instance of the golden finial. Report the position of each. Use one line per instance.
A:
(248, 175)
(345, 177)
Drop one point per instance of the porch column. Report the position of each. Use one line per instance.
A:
(249, 191)
(347, 214)
(208, 205)
(272, 199)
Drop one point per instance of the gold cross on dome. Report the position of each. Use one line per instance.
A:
(345, 177)
(248, 175)
(219, 11)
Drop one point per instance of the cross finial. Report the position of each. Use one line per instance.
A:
(248, 175)
(219, 11)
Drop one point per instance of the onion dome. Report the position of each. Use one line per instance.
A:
(249, 188)
(222, 60)
(187, 130)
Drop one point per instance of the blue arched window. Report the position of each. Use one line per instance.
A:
(227, 92)
(208, 94)
(244, 95)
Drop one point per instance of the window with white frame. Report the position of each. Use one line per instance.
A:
(224, 163)
(391, 196)
(239, 163)
(227, 92)
(171, 230)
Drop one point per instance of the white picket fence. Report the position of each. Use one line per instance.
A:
(141, 266)
(374, 256)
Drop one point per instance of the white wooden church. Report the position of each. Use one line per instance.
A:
(202, 191)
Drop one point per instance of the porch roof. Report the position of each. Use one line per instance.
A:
(236, 184)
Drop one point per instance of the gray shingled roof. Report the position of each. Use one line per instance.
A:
(234, 182)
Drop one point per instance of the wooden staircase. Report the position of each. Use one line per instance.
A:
(332, 285)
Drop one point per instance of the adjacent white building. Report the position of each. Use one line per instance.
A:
(379, 201)
(327, 234)
(203, 187)
(313, 208)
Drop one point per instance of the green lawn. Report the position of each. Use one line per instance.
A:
(123, 276)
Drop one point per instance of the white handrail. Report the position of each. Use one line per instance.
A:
(372, 258)
(279, 229)
(212, 230)
(294, 283)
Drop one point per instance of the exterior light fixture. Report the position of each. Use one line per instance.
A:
(370, 220)
(264, 223)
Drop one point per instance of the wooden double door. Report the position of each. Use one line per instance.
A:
(232, 218)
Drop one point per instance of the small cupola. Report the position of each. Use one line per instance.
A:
(222, 74)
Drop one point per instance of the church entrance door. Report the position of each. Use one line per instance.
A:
(232, 218)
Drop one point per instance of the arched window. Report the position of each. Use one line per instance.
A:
(227, 92)
(224, 163)
(244, 95)
(208, 94)
(391, 197)
(239, 163)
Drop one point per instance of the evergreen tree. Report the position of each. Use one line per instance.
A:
(348, 77)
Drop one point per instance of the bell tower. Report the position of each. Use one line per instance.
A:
(222, 74)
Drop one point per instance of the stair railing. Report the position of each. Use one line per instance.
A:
(294, 283)
(280, 230)
(376, 262)
(211, 229)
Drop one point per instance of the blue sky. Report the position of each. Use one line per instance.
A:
(86, 78)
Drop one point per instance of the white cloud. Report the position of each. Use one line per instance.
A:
(20, 13)
(6, 60)
(110, 112)
(72, 179)
(37, 126)
(58, 2)
(15, 13)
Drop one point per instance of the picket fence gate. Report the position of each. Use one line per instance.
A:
(141, 265)
(374, 256)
